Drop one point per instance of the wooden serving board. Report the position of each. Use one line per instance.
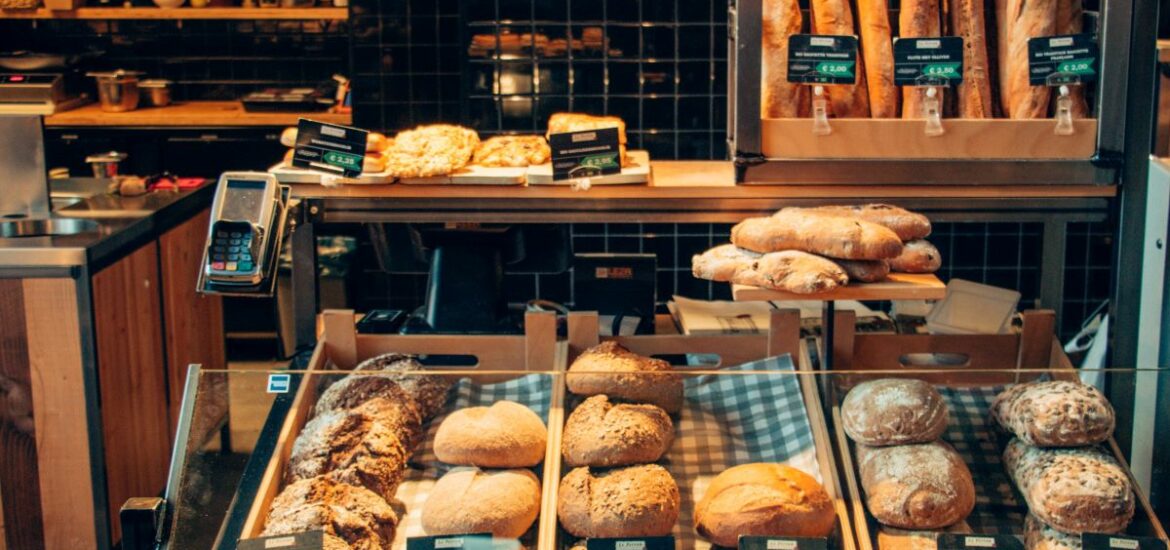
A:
(897, 286)
(637, 172)
(475, 175)
(286, 173)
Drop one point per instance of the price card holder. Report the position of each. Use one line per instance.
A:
(820, 60)
(1100, 541)
(632, 543)
(579, 156)
(329, 148)
(952, 541)
(309, 540)
(747, 542)
(931, 63)
(470, 541)
(1061, 62)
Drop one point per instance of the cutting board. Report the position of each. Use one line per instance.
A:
(637, 172)
(286, 173)
(475, 175)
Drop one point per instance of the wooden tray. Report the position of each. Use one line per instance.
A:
(475, 175)
(897, 286)
(286, 173)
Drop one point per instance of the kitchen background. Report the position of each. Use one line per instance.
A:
(499, 66)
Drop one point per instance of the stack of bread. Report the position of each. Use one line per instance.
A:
(1071, 486)
(377, 147)
(814, 250)
(912, 479)
(494, 489)
(348, 460)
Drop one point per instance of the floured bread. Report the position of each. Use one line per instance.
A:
(893, 411)
(516, 151)
(918, 486)
(431, 150)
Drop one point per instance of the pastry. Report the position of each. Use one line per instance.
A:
(505, 435)
(1055, 413)
(893, 411)
(517, 151)
(916, 486)
(610, 369)
(788, 270)
(635, 501)
(504, 503)
(359, 517)
(878, 51)
(780, 98)
(904, 223)
(1072, 490)
(603, 434)
(562, 123)
(431, 150)
(865, 271)
(763, 500)
(818, 233)
(918, 256)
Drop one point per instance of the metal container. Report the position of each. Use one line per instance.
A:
(158, 92)
(117, 90)
(105, 165)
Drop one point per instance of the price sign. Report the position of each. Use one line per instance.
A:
(471, 541)
(782, 543)
(309, 540)
(585, 154)
(633, 543)
(330, 148)
(822, 59)
(951, 541)
(1065, 59)
(1099, 541)
(928, 61)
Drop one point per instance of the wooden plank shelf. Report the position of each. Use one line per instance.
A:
(897, 286)
(291, 14)
(190, 114)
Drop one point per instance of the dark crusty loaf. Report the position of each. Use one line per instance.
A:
(893, 411)
(603, 434)
(919, 256)
(635, 501)
(788, 270)
(1039, 536)
(1055, 413)
(906, 224)
(865, 271)
(917, 486)
(1072, 490)
(504, 435)
(359, 517)
(763, 499)
(398, 378)
(610, 369)
(504, 503)
(819, 233)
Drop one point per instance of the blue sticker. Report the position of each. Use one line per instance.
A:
(279, 383)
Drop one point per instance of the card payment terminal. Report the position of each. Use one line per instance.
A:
(246, 226)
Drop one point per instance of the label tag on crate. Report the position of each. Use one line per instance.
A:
(329, 148)
(632, 543)
(470, 541)
(953, 541)
(928, 61)
(309, 540)
(747, 542)
(822, 59)
(1101, 541)
(585, 154)
(279, 383)
(1065, 59)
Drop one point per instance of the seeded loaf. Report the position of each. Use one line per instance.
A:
(361, 518)
(504, 435)
(602, 434)
(1072, 490)
(1055, 413)
(394, 376)
(1038, 536)
(635, 501)
(818, 233)
(918, 256)
(610, 369)
(893, 411)
(917, 486)
(763, 499)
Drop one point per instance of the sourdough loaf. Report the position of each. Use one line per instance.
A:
(818, 233)
(602, 434)
(504, 435)
(893, 411)
(504, 503)
(635, 501)
(763, 499)
(917, 486)
(610, 369)
(788, 270)
(918, 256)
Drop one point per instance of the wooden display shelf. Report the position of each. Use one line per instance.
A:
(898, 286)
(186, 114)
(310, 14)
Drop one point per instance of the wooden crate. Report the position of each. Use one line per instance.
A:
(783, 337)
(959, 361)
(500, 357)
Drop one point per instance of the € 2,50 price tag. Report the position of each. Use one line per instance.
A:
(928, 61)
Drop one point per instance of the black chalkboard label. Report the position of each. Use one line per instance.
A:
(1065, 59)
(632, 543)
(330, 148)
(1100, 541)
(951, 541)
(747, 542)
(928, 61)
(822, 59)
(585, 154)
(309, 540)
(470, 541)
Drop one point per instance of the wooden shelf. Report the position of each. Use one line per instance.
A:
(192, 114)
(898, 286)
(311, 14)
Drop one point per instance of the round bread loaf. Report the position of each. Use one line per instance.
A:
(764, 500)
(1038, 536)
(917, 486)
(635, 501)
(610, 369)
(361, 518)
(1055, 413)
(504, 435)
(1072, 490)
(504, 503)
(893, 411)
(603, 434)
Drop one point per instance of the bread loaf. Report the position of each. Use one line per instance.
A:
(610, 369)
(835, 17)
(878, 51)
(635, 501)
(917, 486)
(1055, 413)
(763, 500)
(892, 538)
(603, 434)
(359, 517)
(1038, 536)
(504, 503)
(968, 21)
(788, 270)
(725, 263)
(918, 19)
(1026, 19)
(904, 223)
(919, 256)
(893, 411)
(1002, 40)
(818, 233)
(1072, 490)
(504, 435)
(780, 98)
(399, 378)
(865, 271)
(1070, 19)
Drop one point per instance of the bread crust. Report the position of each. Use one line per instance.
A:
(780, 98)
(1039, 536)
(635, 501)
(916, 486)
(504, 503)
(603, 434)
(612, 370)
(358, 516)
(918, 19)
(1025, 19)
(836, 17)
(877, 47)
(918, 256)
(787, 270)
(1055, 413)
(865, 271)
(504, 435)
(512, 151)
(906, 224)
(763, 499)
(818, 233)
(894, 411)
(968, 21)
(1073, 490)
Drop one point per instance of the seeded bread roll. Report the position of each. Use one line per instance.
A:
(818, 233)
(865, 271)
(359, 517)
(918, 256)
(1038, 536)
(603, 434)
(1072, 490)
(764, 500)
(1055, 413)
(635, 501)
(917, 486)
(505, 435)
(906, 224)
(504, 503)
(893, 411)
(787, 270)
(610, 369)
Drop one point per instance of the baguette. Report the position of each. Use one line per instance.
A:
(1025, 19)
(786, 270)
(865, 271)
(1070, 19)
(918, 256)
(818, 233)
(779, 97)
(908, 225)
(967, 21)
(918, 19)
(835, 17)
(1001, 48)
(878, 51)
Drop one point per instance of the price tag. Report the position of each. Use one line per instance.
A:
(928, 61)
(330, 148)
(1066, 59)
(638, 543)
(585, 154)
(952, 541)
(471, 541)
(747, 542)
(309, 540)
(822, 59)
(1099, 541)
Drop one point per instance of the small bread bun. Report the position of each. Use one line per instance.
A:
(636, 501)
(893, 411)
(603, 434)
(504, 435)
(504, 503)
(764, 500)
(610, 369)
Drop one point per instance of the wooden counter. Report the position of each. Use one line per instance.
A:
(194, 114)
(147, 12)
